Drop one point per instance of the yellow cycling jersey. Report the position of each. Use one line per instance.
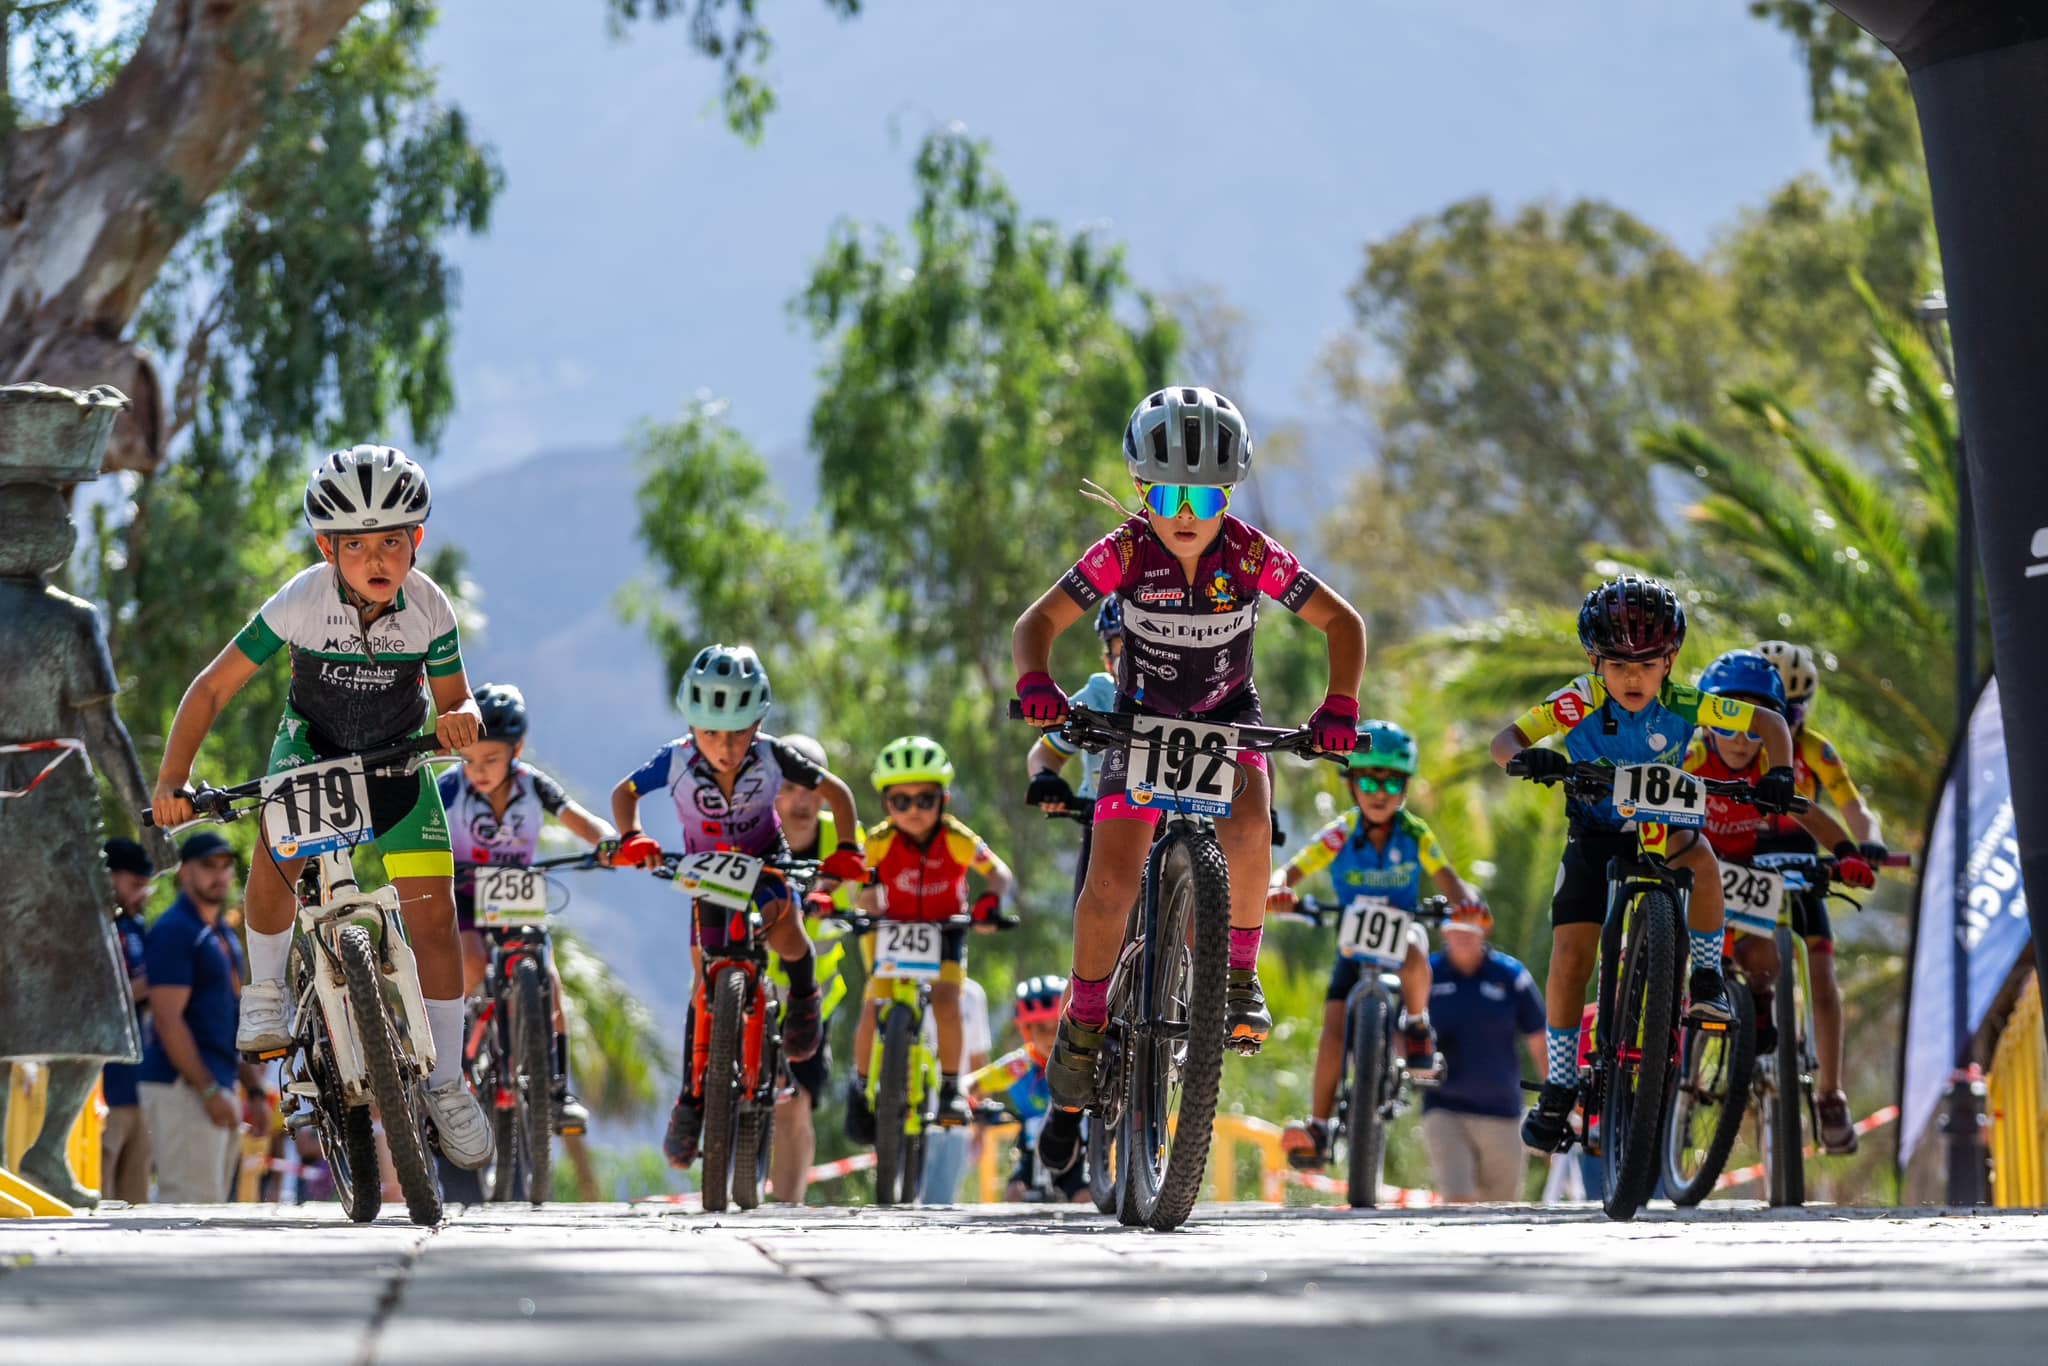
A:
(1821, 767)
(1411, 837)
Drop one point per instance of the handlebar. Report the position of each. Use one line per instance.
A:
(218, 803)
(1597, 780)
(1308, 910)
(1086, 728)
(860, 922)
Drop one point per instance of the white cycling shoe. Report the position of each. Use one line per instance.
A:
(459, 1125)
(263, 1026)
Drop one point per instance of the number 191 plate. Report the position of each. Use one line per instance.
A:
(1181, 766)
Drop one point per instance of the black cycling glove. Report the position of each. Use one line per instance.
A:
(1776, 790)
(1539, 763)
(1048, 787)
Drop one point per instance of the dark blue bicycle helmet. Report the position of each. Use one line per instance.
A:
(1109, 618)
(1747, 675)
(504, 712)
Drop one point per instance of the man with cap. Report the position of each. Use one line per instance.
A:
(124, 1144)
(1482, 1002)
(186, 1083)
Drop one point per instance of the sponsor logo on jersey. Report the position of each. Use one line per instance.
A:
(1165, 673)
(357, 677)
(1569, 708)
(1334, 838)
(1171, 597)
(1254, 556)
(1221, 591)
(1184, 631)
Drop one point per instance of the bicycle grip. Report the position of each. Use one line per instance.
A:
(1016, 710)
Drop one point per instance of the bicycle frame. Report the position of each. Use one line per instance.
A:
(330, 900)
(912, 994)
(750, 961)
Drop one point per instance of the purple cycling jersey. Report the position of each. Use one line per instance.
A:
(1188, 647)
(746, 821)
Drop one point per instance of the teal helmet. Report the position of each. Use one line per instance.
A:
(1382, 744)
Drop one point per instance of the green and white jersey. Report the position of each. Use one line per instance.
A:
(356, 690)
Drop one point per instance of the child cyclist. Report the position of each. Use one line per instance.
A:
(1017, 1080)
(370, 639)
(1049, 791)
(922, 855)
(1379, 848)
(497, 803)
(1739, 832)
(1816, 765)
(1625, 711)
(1190, 578)
(723, 777)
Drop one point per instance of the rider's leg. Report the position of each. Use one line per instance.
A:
(864, 1038)
(1827, 1012)
(474, 962)
(796, 1144)
(1329, 1062)
(1116, 866)
(1416, 978)
(1708, 993)
(1574, 949)
(946, 1014)
(427, 905)
(269, 902)
(1246, 835)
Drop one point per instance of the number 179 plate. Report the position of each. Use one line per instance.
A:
(316, 808)
(1181, 766)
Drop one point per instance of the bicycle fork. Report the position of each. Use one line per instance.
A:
(378, 912)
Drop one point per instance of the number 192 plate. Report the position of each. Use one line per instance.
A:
(317, 808)
(1181, 766)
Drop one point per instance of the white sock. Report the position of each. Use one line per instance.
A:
(267, 955)
(444, 1021)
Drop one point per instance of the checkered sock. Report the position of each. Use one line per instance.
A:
(1563, 1048)
(1706, 950)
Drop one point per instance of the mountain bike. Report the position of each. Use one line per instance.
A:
(903, 1073)
(1637, 1040)
(1161, 1063)
(735, 1065)
(359, 1035)
(1376, 933)
(513, 1067)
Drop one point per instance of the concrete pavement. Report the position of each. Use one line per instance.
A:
(1246, 1285)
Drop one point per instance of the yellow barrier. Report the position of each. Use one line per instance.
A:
(28, 1085)
(2019, 1116)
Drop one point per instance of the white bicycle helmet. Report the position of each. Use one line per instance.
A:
(367, 488)
(725, 688)
(1796, 669)
(1188, 436)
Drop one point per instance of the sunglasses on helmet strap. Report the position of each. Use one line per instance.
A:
(923, 801)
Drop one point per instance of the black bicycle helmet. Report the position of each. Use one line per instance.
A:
(504, 711)
(1633, 619)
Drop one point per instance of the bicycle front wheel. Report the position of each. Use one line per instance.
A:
(1638, 1052)
(1704, 1109)
(1175, 1059)
(1784, 1161)
(533, 1045)
(348, 1141)
(894, 1153)
(1368, 1024)
(721, 1084)
(398, 1102)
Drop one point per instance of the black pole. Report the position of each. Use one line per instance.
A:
(1963, 1116)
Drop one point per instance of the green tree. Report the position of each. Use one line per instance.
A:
(1502, 363)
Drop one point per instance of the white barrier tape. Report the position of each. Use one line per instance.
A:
(64, 748)
(1390, 1197)
(1742, 1177)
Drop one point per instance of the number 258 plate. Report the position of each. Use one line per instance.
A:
(316, 808)
(1181, 766)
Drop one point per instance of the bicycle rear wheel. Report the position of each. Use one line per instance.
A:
(1704, 1109)
(721, 1084)
(398, 1101)
(1639, 1054)
(1101, 1156)
(532, 1077)
(894, 1153)
(1174, 1064)
(1784, 1160)
(1368, 1024)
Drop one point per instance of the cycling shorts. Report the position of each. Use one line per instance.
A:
(410, 825)
(1346, 972)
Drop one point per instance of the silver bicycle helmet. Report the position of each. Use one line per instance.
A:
(1188, 436)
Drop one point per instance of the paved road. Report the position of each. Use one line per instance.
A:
(1249, 1286)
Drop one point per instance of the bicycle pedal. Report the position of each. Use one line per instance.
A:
(1244, 1045)
(268, 1055)
(1711, 1026)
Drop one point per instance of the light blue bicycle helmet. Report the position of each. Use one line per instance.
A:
(725, 688)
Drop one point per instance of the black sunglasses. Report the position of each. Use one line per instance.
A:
(923, 801)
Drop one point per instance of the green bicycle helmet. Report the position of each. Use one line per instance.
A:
(1382, 744)
(913, 759)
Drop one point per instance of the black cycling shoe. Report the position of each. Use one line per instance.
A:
(952, 1106)
(570, 1115)
(860, 1120)
(1548, 1126)
(1766, 1039)
(1070, 1071)
(1059, 1142)
(1248, 1022)
(802, 1030)
(1709, 995)
(1418, 1046)
(685, 1121)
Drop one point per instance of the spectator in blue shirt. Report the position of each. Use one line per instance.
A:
(189, 1066)
(124, 1143)
(1488, 1012)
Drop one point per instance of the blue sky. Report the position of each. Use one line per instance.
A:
(641, 253)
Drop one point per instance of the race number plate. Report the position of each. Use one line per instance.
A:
(1181, 766)
(1754, 898)
(722, 878)
(1660, 793)
(1375, 930)
(906, 949)
(317, 808)
(508, 896)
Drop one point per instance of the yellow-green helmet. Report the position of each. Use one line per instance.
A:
(913, 759)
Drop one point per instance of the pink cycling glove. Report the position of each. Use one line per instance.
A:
(1044, 703)
(1334, 727)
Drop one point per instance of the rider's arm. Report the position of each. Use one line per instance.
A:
(197, 711)
(1826, 765)
(1043, 621)
(1044, 758)
(1461, 892)
(626, 806)
(1823, 827)
(1508, 744)
(585, 825)
(839, 800)
(997, 875)
(458, 723)
(1344, 630)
